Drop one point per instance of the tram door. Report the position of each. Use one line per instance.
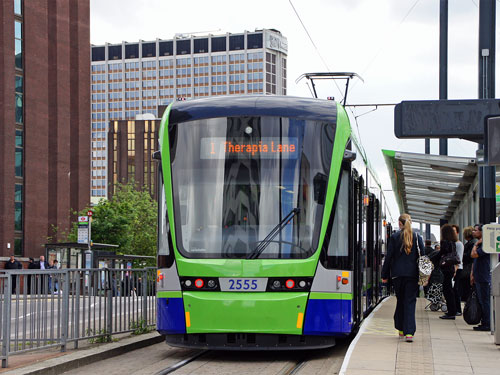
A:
(376, 251)
(357, 240)
(370, 251)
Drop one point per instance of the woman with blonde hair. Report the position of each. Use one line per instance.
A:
(401, 266)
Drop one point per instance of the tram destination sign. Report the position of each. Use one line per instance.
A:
(463, 119)
(241, 148)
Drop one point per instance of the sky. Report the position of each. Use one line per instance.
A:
(392, 44)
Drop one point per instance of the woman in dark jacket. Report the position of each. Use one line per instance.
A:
(467, 263)
(401, 265)
(448, 239)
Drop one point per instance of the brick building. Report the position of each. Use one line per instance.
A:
(44, 119)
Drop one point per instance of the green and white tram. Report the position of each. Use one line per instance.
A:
(268, 235)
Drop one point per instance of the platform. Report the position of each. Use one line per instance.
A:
(439, 346)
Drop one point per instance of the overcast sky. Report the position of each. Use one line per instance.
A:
(392, 44)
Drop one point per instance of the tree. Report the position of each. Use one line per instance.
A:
(128, 219)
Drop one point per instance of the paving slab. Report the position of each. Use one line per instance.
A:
(439, 347)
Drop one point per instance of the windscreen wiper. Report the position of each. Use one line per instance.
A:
(274, 232)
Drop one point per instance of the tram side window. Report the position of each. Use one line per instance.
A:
(164, 253)
(339, 238)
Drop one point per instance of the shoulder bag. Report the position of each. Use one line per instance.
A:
(449, 261)
(425, 267)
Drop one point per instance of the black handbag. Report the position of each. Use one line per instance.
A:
(472, 310)
(449, 260)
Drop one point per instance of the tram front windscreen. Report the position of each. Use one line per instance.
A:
(235, 179)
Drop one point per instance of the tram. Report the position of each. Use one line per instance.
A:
(271, 224)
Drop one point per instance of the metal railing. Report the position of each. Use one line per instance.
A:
(47, 308)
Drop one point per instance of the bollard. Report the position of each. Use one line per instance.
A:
(495, 291)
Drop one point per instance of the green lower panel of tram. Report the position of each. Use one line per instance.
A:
(213, 312)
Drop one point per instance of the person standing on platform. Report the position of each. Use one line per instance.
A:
(31, 280)
(13, 264)
(481, 277)
(448, 246)
(467, 263)
(459, 273)
(428, 248)
(400, 265)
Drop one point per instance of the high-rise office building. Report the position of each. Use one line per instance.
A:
(44, 120)
(131, 79)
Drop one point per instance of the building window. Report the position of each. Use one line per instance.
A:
(114, 52)
(18, 7)
(19, 154)
(18, 193)
(254, 41)
(166, 48)
(18, 32)
(98, 54)
(18, 216)
(201, 45)
(148, 49)
(236, 42)
(18, 246)
(19, 108)
(131, 51)
(219, 44)
(183, 47)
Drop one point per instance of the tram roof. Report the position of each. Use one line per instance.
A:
(431, 187)
(253, 105)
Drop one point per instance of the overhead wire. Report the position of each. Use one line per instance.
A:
(314, 45)
(383, 46)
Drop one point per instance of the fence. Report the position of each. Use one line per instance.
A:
(48, 308)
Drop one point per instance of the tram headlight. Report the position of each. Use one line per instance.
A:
(302, 283)
(187, 283)
(290, 284)
(211, 283)
(276, 284)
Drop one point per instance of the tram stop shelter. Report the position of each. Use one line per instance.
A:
(77, 255)
(431, 188)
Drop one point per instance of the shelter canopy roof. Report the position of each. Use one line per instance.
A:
(431, 187)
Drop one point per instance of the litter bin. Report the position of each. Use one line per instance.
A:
(495, 291)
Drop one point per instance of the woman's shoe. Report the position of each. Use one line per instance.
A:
(445, 316)
(482, 328)
(409, 338)
(401, 334)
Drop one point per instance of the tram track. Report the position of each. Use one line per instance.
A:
(182, 363)
(290, 369)
(293, 368)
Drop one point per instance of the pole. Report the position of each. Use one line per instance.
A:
(487, 194)
(443, 70)
(443, 63)
(487, 23)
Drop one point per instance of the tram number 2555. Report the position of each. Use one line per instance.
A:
(242, 284)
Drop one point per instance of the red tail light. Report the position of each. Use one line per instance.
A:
(199, 283)
(290, 283)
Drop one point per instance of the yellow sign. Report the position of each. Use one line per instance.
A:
(498, 193)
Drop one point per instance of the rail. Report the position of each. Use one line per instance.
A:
(40, 309)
